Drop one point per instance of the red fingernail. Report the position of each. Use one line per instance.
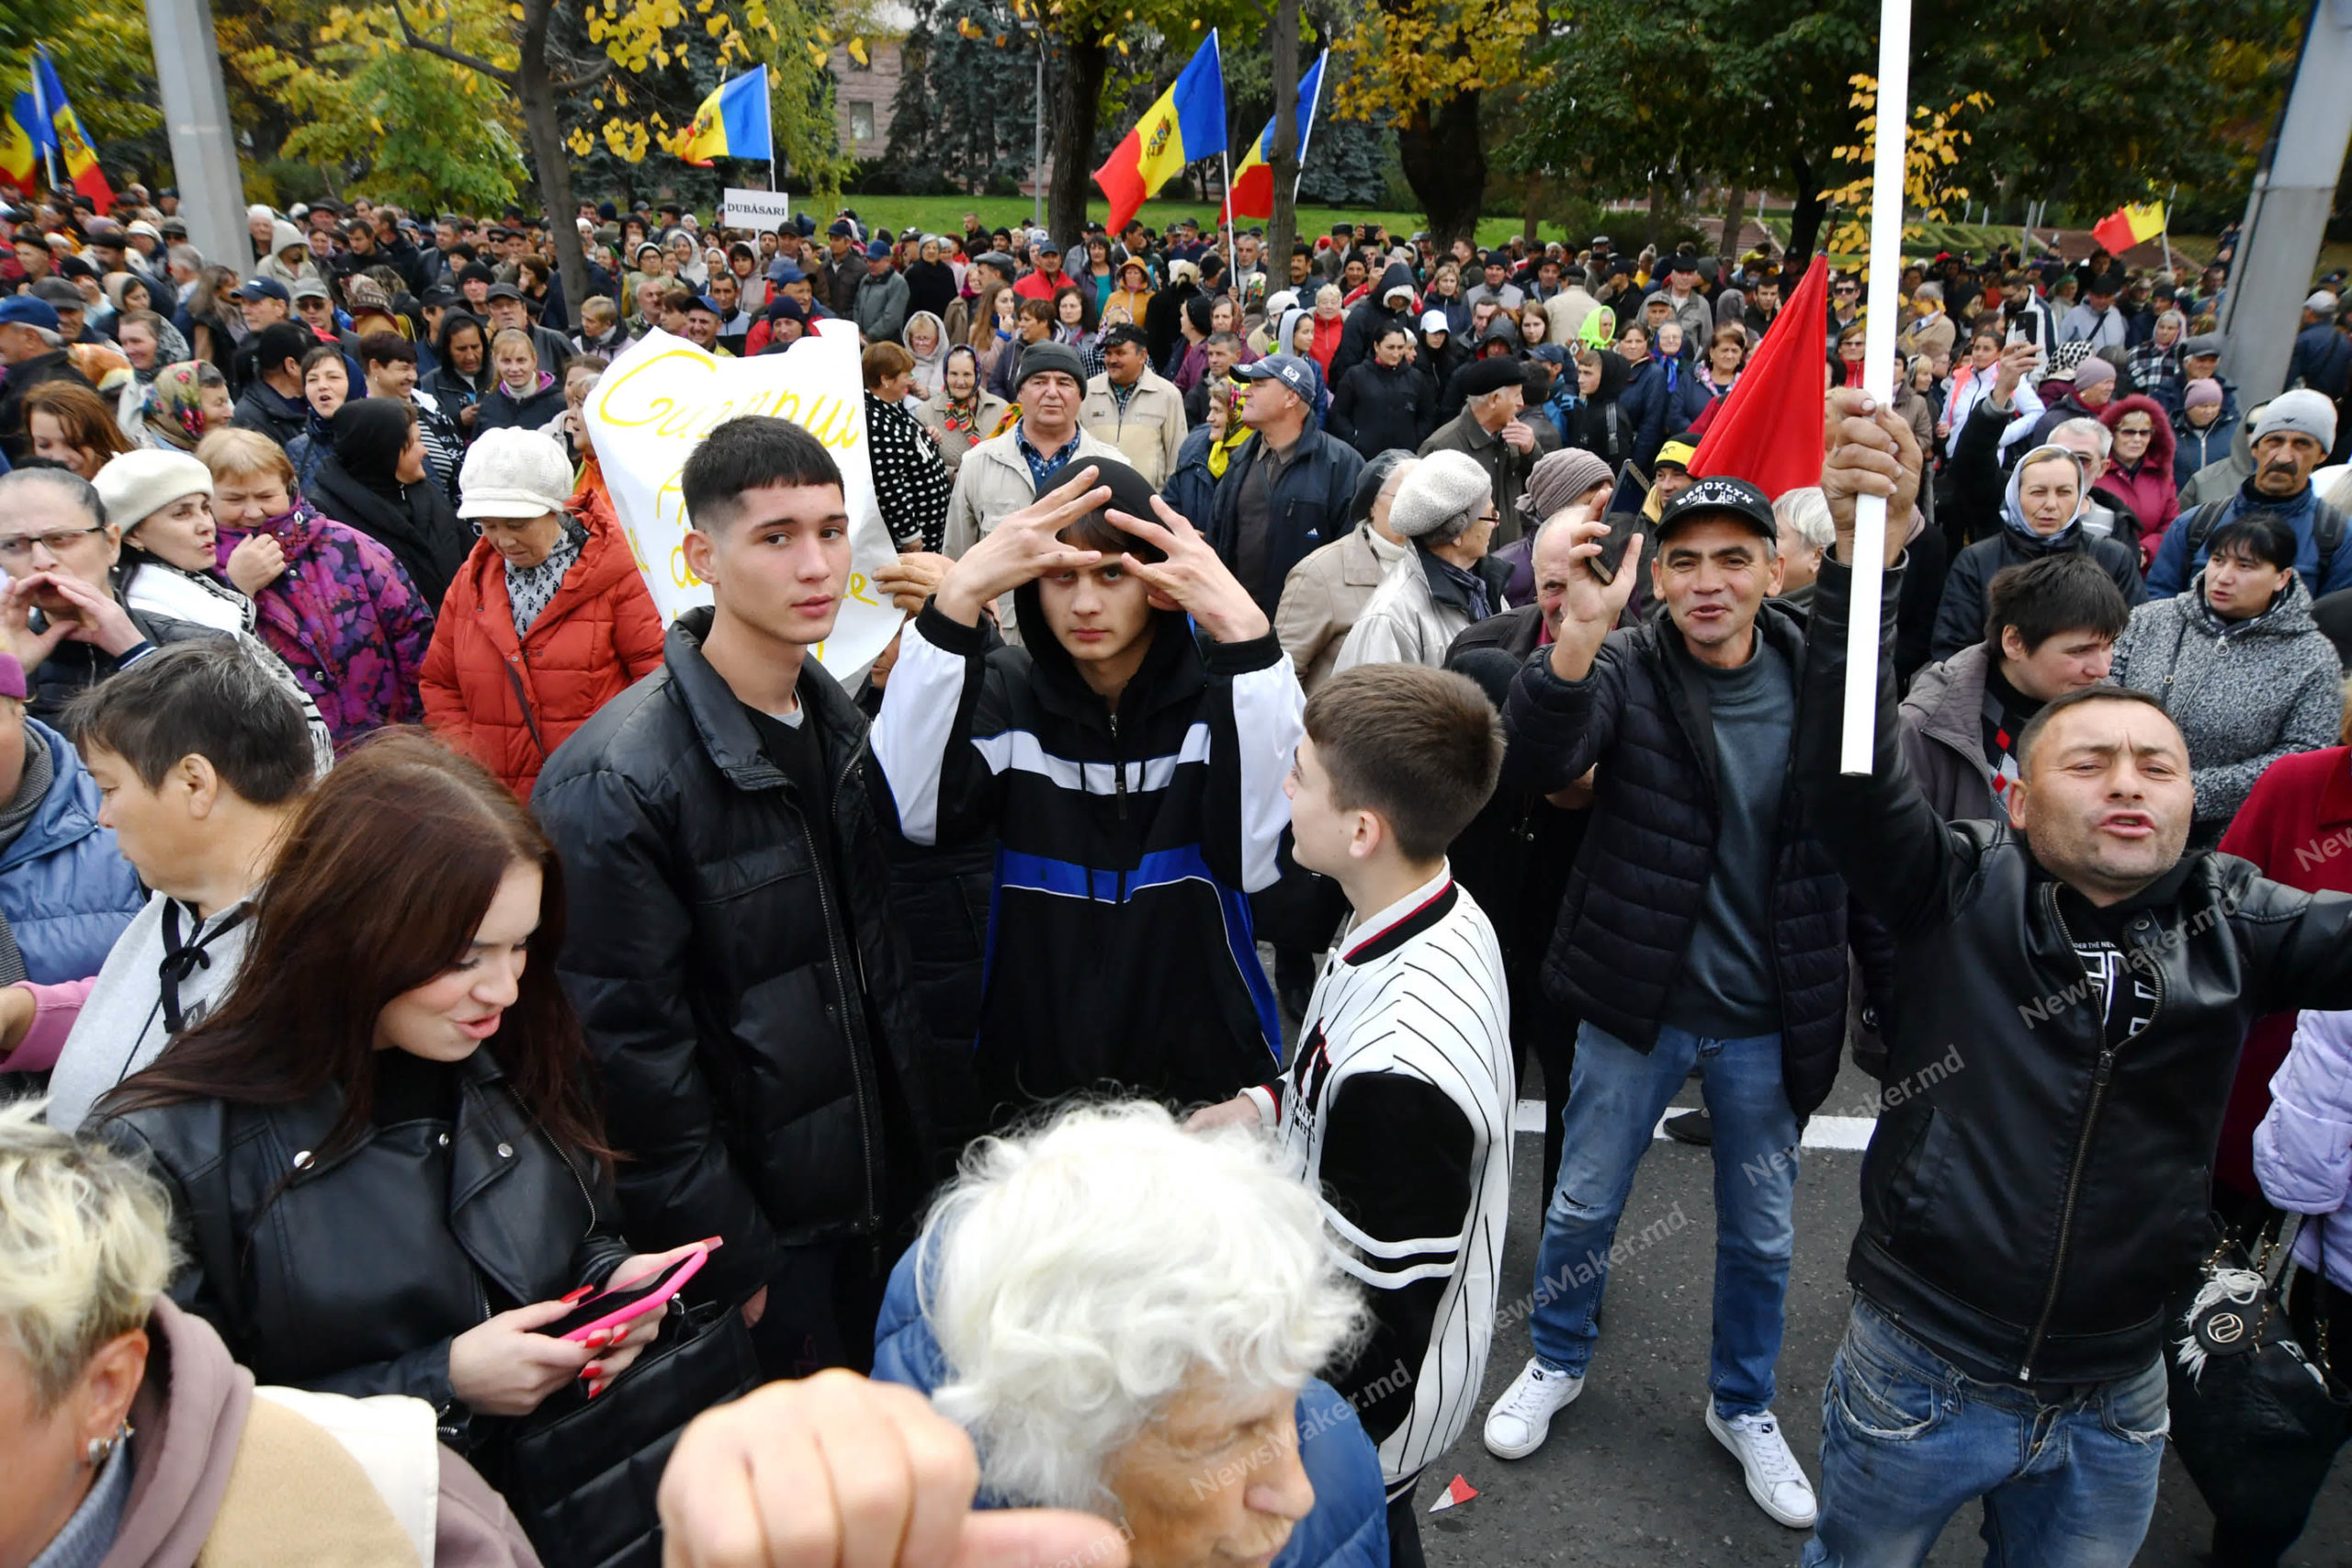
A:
(592, 1370)
(582, 1294)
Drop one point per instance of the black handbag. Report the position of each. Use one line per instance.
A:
(581, 1474)
(2253, 1412)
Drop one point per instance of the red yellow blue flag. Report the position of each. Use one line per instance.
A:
(733, 122)
(61, 132)
(1253, 195)
(1186, 124)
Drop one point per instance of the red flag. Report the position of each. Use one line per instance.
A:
(1767, 431)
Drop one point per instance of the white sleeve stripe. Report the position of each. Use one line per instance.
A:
(1386, 1281)
(1021, 750)
(910, 734)
(1372, 1244)
(1269, 718)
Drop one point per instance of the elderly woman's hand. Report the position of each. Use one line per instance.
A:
(837, 1469)
(1239, 1111)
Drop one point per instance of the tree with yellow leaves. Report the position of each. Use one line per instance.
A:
(1425, 66)
(1931, 155)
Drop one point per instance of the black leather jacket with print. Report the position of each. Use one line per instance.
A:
(2036, 1189)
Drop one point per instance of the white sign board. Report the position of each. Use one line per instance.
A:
(664, 395)
(760, 210)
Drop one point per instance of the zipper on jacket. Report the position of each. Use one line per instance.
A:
(845, 1000)
(2100, 1076)
(1118, 767)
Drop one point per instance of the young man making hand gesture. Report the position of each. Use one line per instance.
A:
(1133, 774)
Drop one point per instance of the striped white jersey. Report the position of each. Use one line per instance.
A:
(1396, 1106)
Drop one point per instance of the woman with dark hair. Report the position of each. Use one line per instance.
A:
(72, 426)
(213, 329)
(383, 1170)
(2238, 663)
(462, 374)
(326, 387)
(377, 480)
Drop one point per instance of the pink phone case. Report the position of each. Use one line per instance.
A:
(686, 1269)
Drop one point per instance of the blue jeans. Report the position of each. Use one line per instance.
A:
(1615, 1096)
(2068, 1476)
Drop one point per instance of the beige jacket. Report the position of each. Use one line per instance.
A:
(1325, 595)
(1149, 431)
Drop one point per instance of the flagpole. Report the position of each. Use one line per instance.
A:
(2167, 229)
(47, 118)
(1306, 131)
(1893, 113)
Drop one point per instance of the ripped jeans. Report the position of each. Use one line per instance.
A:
(2067, 1475)
(1615, 1096)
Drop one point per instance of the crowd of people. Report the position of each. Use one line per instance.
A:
(1332, 688)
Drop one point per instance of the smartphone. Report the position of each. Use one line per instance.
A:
(611, 1308)
(2025, 329)
(1625, 519)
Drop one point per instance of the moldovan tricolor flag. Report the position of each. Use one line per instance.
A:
(1185, 125)
(1767, 428)
(2128, 226)
(65, 135)
(732, 122)
(19, 161)
(1253, 183)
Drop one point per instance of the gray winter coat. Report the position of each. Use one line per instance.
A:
(2244, 692)
(880, 306)
(1943, 737)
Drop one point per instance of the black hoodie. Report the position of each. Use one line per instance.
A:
(1372, 317)
(1120, 951)
(1597, 424)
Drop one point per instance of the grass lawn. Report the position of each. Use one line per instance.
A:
(945, 215)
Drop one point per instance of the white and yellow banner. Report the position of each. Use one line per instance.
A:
(664, 395)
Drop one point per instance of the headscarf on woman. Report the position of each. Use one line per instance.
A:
(174, 407)
(360, 485)
(931, 369)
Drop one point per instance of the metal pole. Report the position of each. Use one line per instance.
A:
(1893, 114)
(204, 147)
(2286, 211)
(1038, 179)
(2169, 198)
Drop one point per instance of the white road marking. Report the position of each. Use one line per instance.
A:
(1851, 1133)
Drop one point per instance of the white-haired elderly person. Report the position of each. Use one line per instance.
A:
(130, 1436)
(1126, 1319)
(1446, 510)
(1807, 533)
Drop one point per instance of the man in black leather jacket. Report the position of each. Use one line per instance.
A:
(2073, 990)
(730, 950)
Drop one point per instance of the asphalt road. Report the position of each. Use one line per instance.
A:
(1630, 1475)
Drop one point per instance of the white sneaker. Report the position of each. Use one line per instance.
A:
(1774, 1478)
(1522, 1418)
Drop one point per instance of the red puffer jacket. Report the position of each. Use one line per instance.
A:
(508, 704)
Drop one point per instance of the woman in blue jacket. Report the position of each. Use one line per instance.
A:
(65, 890)
(1124, 1316)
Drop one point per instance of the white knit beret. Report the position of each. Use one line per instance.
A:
(514, 473)
(1442, 487)
(137, 485)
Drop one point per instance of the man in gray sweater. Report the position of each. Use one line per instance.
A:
(205, 760)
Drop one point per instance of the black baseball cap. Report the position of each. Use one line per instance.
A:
(1720, 495)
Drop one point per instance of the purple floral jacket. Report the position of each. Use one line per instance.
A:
(345, 618)
(2302, 1148)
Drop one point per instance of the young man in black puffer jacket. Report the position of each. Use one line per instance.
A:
(732, 951)
(2074, 992)
(1703, 925)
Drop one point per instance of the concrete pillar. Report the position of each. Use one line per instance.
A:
(204, 145)
(2286, 213)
